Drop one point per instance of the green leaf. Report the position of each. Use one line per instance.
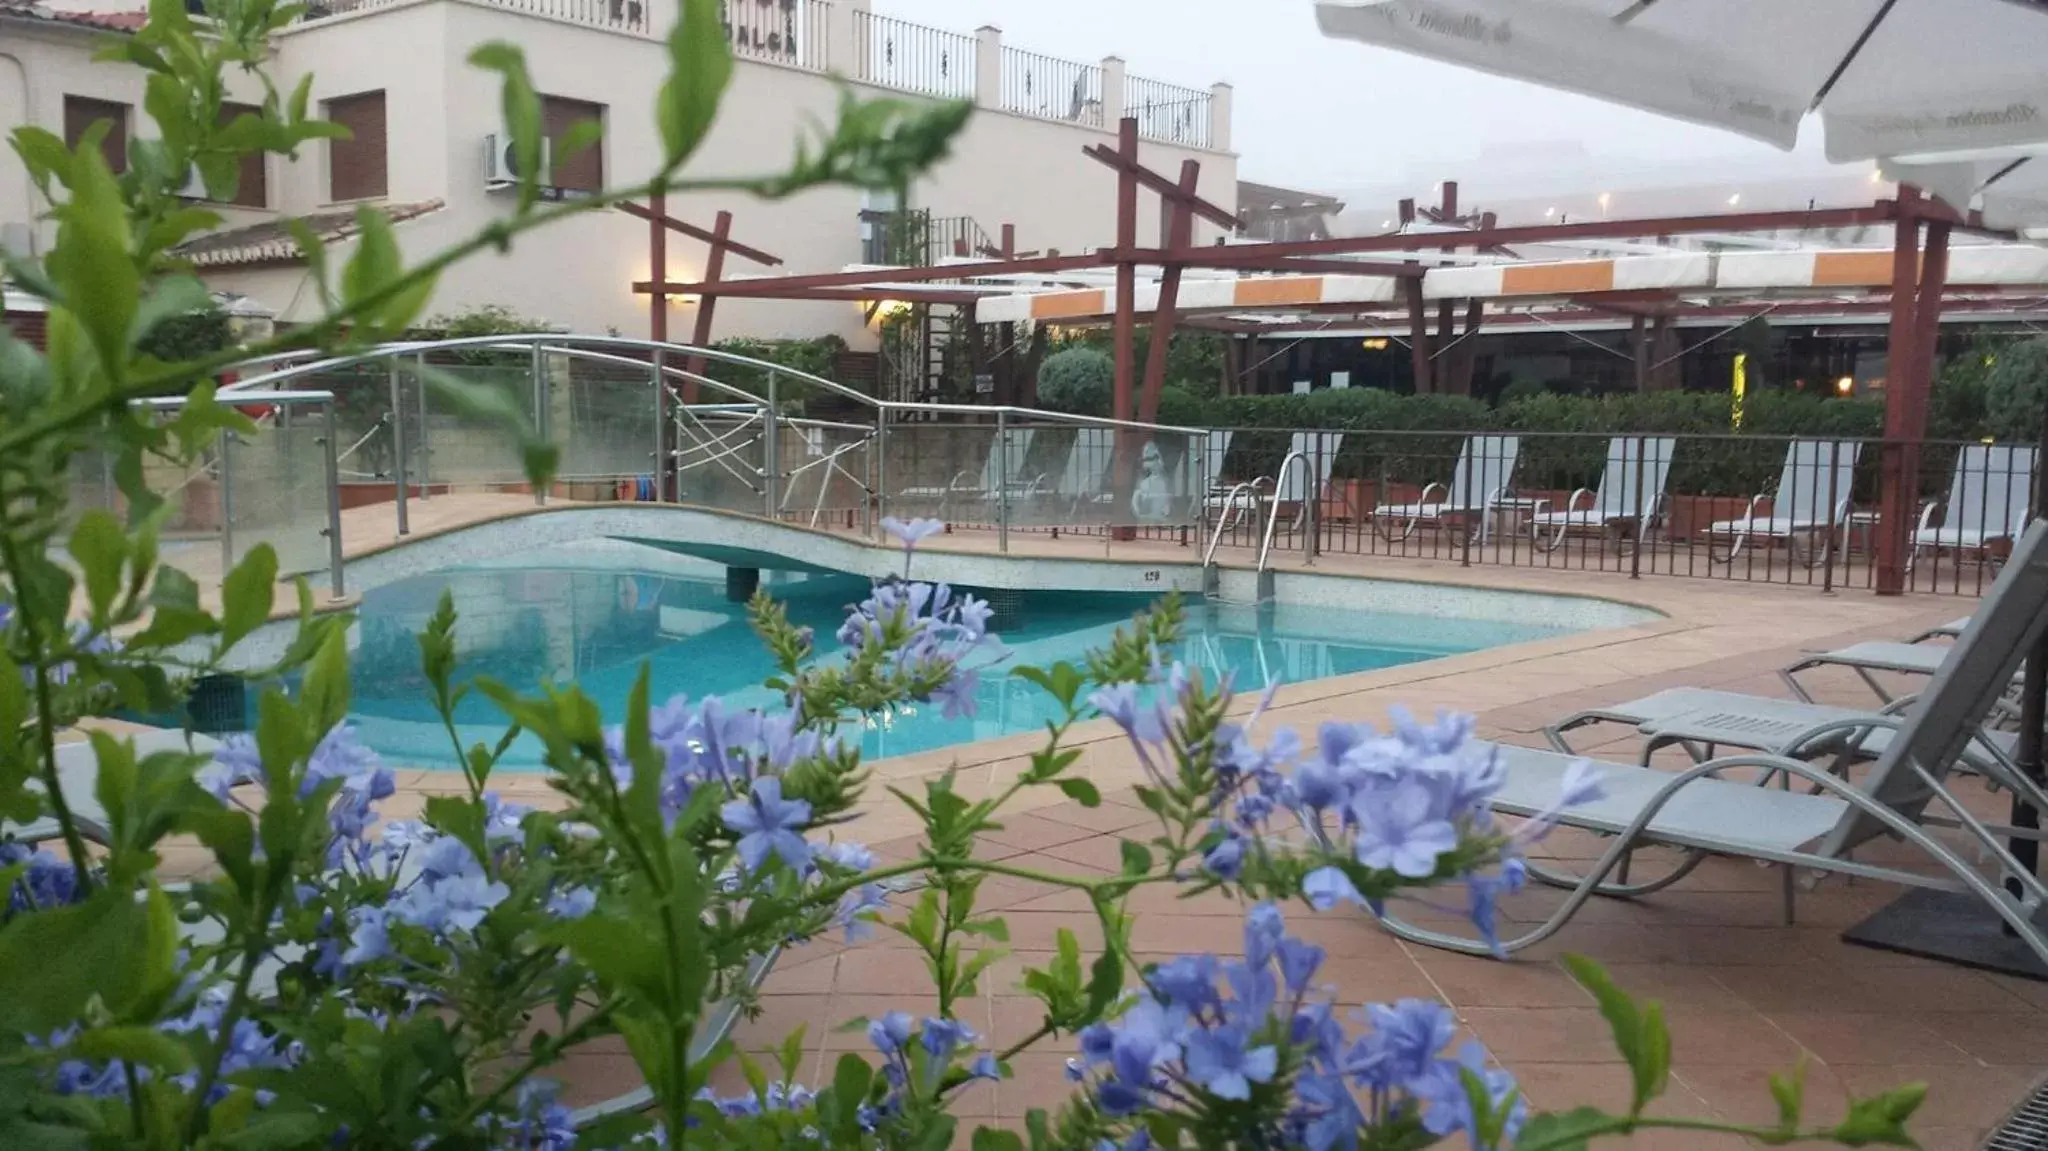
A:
(461, 817)
(700, 66)
(1567, 1130)
(1081, 791)
(519, 103)
(991, 1139)
(850, 1079)
(1881, 1119)
(247, 595)
(101, 549)
(142, 1046)
(171, 296)
(625, 954)
(1137, 858)
(1640, 1036)
(1105, 982)
(93, 263)
(1790, 1094)
(95, 940)
(326, 689)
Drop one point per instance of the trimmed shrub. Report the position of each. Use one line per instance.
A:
(2016, 392)
(1077, 381)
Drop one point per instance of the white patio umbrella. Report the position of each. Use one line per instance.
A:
(1888, 77)
(2009, 186)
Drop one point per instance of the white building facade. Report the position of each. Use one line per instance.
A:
(396, 71)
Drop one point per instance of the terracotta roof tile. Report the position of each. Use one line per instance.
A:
(272, 241)
(103, 21)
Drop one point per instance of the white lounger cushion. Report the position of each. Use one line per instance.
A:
(78, 772)
(1766, 526)
(1959, 537)
(1710, 814)
(1886, 655)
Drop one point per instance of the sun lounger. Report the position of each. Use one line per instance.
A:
(1808, 506)
(1001, 470)
(1987, 501)
(1702, 814)
(1618, 502)
(1484, 473)
(1318, 450)
(78, 771)
(1703, 721)
(1949, 630)
(1870, 657)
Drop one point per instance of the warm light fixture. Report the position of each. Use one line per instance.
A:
(1375, 345)
(1606, 198)
(1735, 200)
(1549, 213)
(1845, 385)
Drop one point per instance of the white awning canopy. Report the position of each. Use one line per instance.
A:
(1888, 77)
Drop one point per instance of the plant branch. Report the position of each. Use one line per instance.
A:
(46, 710)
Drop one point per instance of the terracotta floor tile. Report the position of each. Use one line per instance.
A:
(1742, 1094)
(2005, 1038)
(1035, 832)
(1469, 981)
(811, 975)
(1039, 1080)
(1543, 1034)
(780, 1017)
(1884, 1037)
(1708, 1036)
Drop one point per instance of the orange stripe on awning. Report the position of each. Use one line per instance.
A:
(1557, 279)
(1268, 290)
(1069, 305)
(1851, 269)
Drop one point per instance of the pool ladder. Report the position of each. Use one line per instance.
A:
(1212, 576)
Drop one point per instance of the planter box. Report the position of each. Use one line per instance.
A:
(357, 495)
(1691, 516)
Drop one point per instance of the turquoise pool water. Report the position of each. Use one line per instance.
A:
(526, 624)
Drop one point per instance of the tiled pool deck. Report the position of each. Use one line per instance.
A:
(1745, 994)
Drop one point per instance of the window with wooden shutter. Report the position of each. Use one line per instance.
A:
(82, 112)
(252, 187)
(583, 172)
(357, 167)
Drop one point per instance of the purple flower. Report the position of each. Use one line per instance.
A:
(1222, 1063)
(911, 533)
(890, 1032)
(1264, 927)
(942, 1036)
(1332, 1113)
(1485, 892)
(1147, 1035)
(1226, 860)
(957, 696)
(1299, 961)
(1188, 982)
(371, 939)
(985, 1067)
(45, 882)
(1447, 1104)
(856, 906)
(572, 903)
(1399, 829)
(1326, 887)
(454, 903)
(1404, 1040)
(851, 856)
(769, 824)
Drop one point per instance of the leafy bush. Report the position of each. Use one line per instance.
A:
(1180, 409)
(194, 335)
(1078, 382)
(816, 357)
(2016, 392)
(330, 979)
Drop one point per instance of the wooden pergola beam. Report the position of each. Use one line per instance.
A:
(1127, 164)
(696, 233)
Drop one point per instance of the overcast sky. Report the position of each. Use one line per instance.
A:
(1327, 115)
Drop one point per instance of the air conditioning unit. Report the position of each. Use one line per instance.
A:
(501, 164)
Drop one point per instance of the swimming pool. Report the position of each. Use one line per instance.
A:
(525, 620)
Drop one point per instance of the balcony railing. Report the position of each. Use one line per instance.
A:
(1051, 88)
(792, 32)
(917, 238)
(912, 57)
(617, 15)
(1168, 112)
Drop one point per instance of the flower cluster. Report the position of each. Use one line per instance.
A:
(46, 881)
(930, 634)
(1207, 1034)
(250, 1047)
(917, 1057)
(1412, 803)
(707, 742)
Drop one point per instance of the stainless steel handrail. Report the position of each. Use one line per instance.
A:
(1309, 495)
(1230, 508)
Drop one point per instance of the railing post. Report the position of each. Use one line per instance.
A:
(661, 417)
(1474, 446)
(771, 454)
(1220, 98)
(335, 559)
(845, 37)
(537, 364)
(1114, 106)
(1827, 577)
(878, 466)
(1002, 475)
(426, 464)
(227, 503)
(1641, 525)
(988, 66)
(398, 444)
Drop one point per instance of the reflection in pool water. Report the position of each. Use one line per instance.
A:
(535, 624)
